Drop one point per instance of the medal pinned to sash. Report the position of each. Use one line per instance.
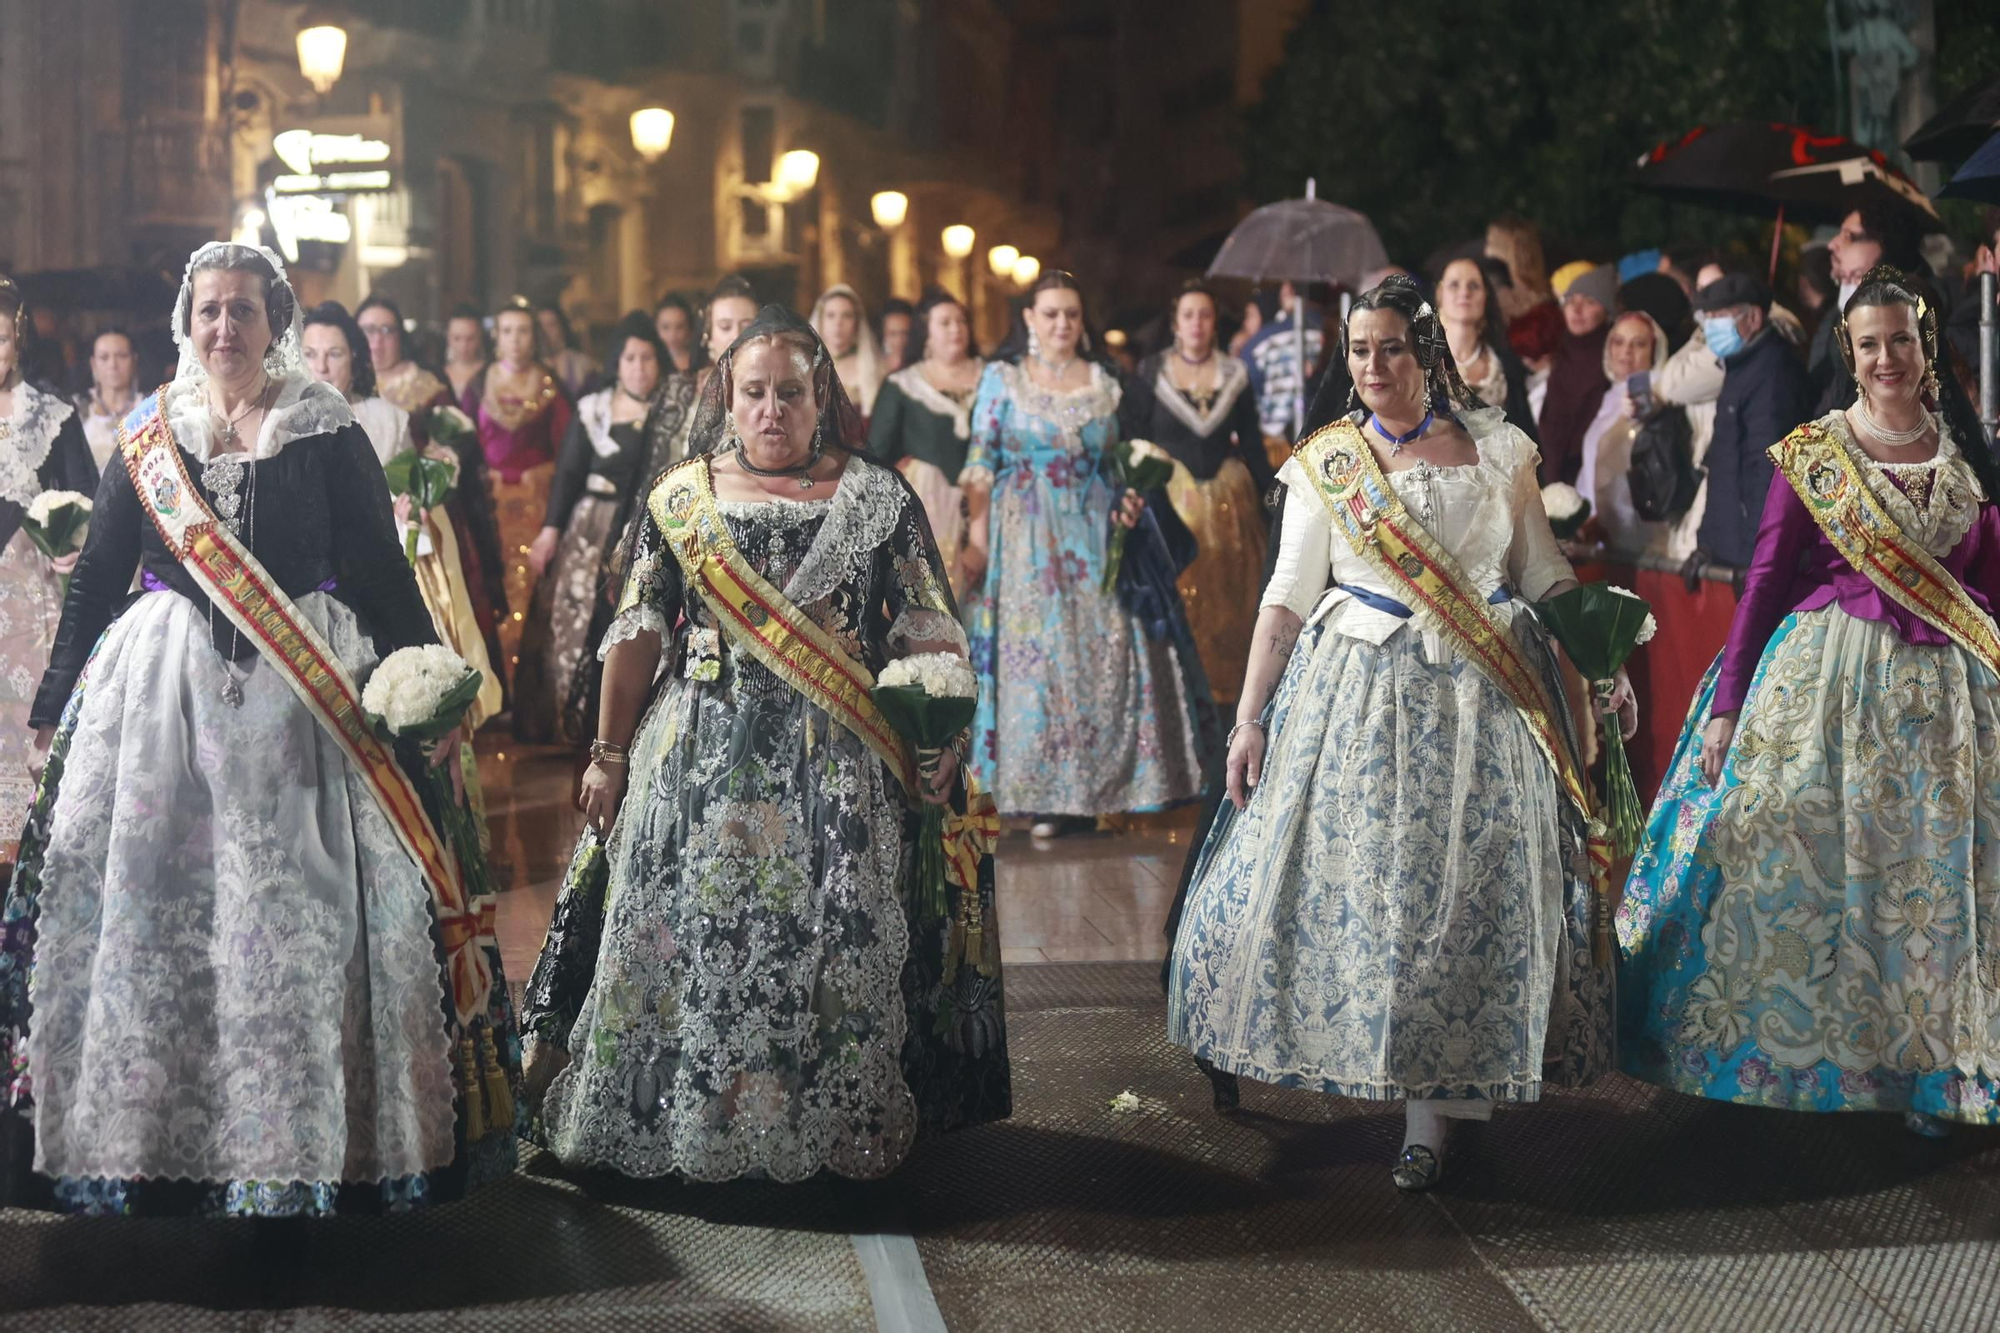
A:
(761, 620)
(1830, 482)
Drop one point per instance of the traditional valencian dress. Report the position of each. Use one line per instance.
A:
(1221, 473)
(602, 469)
(1819, 932)
(225, 984)
(759, 993)
(1401, 911)
(42, 448)
(924, 432)
(441, 577)
(1082, 710)
(518, 436)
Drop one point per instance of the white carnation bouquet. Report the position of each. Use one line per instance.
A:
(1568, 511)
(422, 694)
(57, 522)
(1137, 465)
(929, 698)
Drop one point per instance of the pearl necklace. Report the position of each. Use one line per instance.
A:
(1895, 439)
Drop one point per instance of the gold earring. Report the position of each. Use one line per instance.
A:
(1931, 384)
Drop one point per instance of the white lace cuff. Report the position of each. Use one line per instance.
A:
(920, 624)
(981, 477)
(630, 624)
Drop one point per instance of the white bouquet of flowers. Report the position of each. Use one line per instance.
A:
(929, 698)
(1568, 511)
(57, 523)
(420, 692)
(939, 675)
(1138, 465)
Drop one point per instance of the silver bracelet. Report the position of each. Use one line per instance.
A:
(1248, 722)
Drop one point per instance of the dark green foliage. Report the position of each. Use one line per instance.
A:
(1435, 118)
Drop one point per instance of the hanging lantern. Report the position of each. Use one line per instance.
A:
(1026, 269)
(1001, 260)
(322, 52)
(958, 239)
(652, 132)
(798, 171)
(890, 208)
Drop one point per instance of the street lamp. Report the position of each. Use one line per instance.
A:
(1026, 269)
(958, 239)
(891, 208)
(1001, 260)
(652, 132)
(322, 51)
(798, 171)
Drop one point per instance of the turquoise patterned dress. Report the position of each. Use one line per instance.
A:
(1818, 933)
(1081, 712)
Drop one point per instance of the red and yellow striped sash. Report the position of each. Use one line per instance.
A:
(762, 621)
(244, 591)
(1829, 480)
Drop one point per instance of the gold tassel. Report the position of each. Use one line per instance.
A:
(475, 1101)
(499, 1095)
(954, 951)
(989, 951)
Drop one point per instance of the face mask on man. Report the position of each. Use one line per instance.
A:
(1719, 331)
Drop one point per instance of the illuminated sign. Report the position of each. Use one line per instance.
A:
(310, 217)
(331, 163)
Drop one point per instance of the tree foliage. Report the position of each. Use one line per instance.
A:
(1435, 118)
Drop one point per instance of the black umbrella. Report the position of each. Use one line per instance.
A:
(1752, 166)
(1961, 128)
(1759, 166)
(1979, 178)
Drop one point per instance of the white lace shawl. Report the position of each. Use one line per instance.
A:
(594, 411)
(1232, 378)
(31, 431)
(303, 408)
(1952, 501)
(922, 392)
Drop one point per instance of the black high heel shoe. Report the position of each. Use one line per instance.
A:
(1228, 1094)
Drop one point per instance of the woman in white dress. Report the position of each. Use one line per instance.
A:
(1394, 909)
(228, 987)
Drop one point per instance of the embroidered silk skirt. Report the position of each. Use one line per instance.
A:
(550, 701)
(518, 507)
(219, 987)
(1822, 931)
(1398, 911)
(1221, 588)
(944, 506)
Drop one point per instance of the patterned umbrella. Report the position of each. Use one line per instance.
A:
(1752, 166)
(1302, 240)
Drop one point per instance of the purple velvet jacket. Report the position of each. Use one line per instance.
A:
(1797, 569)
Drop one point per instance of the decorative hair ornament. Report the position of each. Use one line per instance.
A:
(1892, 278)
(12, 302)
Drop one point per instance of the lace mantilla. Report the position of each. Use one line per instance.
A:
(1232, 379)
(861, 516)
(1937, 500)
(927, 395)
(25, 439)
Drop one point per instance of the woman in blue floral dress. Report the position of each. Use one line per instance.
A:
(1085, 709)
